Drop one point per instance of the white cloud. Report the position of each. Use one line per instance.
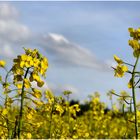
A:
(58, 38)
(68, 53)
(7, 11)
(111, 63)
(64, 52)
(6, 50)
(12, 32)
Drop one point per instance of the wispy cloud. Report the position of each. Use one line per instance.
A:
(12, 32)
(8, 11)
(6, 50)
(64, 52)
(67, 53)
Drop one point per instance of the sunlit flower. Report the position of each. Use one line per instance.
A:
(2, 63)
(118, 60)
(120, 70)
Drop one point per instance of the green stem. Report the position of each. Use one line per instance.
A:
(134, 97)
(112, 104)
(6, 99)
(68, 110)
(128, 64)
(21, 107)
(50, 123)
(131, 106)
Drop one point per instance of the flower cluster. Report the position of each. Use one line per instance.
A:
(51, 121)
(2, 63)
(135, 75)
(29, 67)
(121, 68)
(134, 42)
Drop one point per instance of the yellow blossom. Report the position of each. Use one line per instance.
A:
(40, 83)
(27, 51)
(29, 116)
(27, 64)
(129, 83)
(134, 44)
(2, 63)
(118, 60)
(5, 111)
(22, 64)
(37, 93)
(120, 70)
(24, 57)
(19, 85)
(35, 76)
(27, 84)
(59, 109)
(38, 103)
(135, 33)
(29, 135)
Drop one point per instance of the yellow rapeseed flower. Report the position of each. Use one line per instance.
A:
(40, 83)
(19, 85)
(37, 93)
(38, 103)
(27, 51)
(118, 60)
(134, 44)
(59, 108)
(120, 70)
(27, 64)
(2, 63)
(29, 135)
(4, 111)
(129, 83)
(29, 58)
(24, 57)
(135, 33)
(35, 77)
(22, 64)
(27, 84)
(29, 116)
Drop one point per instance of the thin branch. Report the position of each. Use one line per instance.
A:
(137, 82)
(128, 64)
(127, 101)
(120, 95)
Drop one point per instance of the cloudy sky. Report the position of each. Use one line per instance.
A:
(78, 38)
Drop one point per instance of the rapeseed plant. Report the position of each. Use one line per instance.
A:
(122, 68)
(30, 113)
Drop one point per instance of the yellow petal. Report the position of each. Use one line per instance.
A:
(40, 83)
(5, 111)
(2, 63)
(117, 59)
(29, 135)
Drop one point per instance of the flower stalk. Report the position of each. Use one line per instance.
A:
(134, 98)
(21, 106)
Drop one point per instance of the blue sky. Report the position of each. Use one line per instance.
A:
(79, 39)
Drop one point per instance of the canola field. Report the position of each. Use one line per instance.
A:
(29, 113)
